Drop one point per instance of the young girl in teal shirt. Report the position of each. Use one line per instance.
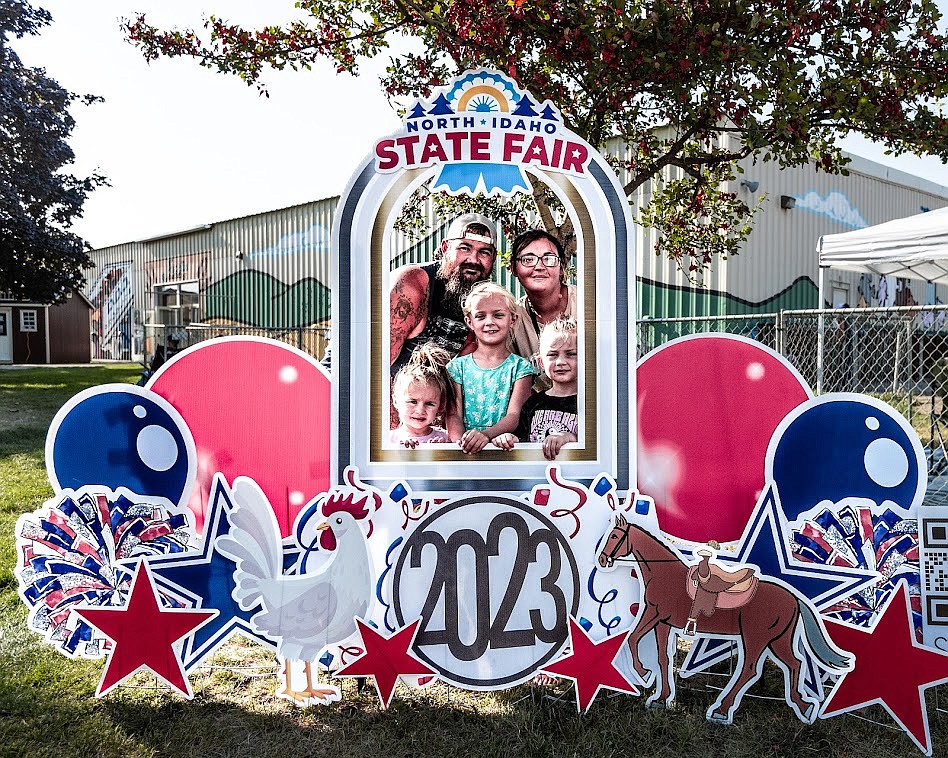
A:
(492, 382)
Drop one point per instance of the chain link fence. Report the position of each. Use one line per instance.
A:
(310, 339)
(898, 354)
(655, 332)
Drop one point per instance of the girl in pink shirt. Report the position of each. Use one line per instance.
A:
(421, 393)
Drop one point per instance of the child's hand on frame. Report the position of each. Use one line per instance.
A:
(473, 441)
(553, 444)
(505, 441)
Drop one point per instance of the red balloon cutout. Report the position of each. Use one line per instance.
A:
(256, 408)
(707, 408)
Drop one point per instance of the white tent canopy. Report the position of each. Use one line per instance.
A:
(914, 248)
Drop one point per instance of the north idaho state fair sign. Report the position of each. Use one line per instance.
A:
(482, 135)
(583, 539)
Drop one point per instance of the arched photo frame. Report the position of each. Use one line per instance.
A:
(594, 201)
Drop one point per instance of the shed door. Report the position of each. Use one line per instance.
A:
(6, 335)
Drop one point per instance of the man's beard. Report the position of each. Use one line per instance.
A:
(457, 287)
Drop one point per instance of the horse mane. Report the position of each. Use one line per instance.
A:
(667, 553)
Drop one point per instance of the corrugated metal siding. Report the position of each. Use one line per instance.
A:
(782, 246)
(663, 288)
(777, 267)
(273, 269)
(270, 269)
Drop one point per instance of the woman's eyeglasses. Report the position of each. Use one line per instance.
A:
(530, 260)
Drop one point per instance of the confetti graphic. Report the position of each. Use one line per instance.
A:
(854, 537)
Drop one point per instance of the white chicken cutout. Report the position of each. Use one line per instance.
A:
(302, 612)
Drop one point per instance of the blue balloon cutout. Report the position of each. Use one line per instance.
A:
(119, 435)
(836, 447)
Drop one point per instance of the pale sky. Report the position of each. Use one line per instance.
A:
(183, 146)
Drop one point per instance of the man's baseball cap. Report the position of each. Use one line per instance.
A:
(459, 229)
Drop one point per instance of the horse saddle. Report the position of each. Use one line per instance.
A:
(731, 589)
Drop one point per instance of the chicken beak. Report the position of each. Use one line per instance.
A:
(323, 526)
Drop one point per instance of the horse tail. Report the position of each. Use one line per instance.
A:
(825, 651)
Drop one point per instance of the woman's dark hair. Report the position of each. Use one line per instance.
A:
(529, 237)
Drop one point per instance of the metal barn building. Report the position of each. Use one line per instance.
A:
(272, 270)
(778, 267)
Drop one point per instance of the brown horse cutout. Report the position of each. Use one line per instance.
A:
(766, 623)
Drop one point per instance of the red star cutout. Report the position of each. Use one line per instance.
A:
(891, 669)
(144, 634)
(591, 665)
(385, 659)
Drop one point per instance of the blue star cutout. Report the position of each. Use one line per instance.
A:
(205, 579)
(763, 545)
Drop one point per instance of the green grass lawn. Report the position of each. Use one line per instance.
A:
(48, 708)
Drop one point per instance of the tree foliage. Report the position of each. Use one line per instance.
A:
(40, 259)
(778, 80)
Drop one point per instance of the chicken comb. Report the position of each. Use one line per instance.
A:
(338, 502)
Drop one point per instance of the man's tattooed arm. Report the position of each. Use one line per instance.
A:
(409, 307)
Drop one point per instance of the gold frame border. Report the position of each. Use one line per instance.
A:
(378, 353)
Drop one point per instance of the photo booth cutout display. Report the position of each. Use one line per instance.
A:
(482, 134)
(164, 592)
(507, 575)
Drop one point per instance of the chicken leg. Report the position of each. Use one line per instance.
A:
(325, 694)
(297, 695)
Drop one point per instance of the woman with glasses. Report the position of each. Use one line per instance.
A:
(539, 263)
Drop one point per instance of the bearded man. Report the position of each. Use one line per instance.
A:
(426, 300)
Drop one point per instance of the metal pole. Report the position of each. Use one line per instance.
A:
(909, 355)
(780, 337)
(819, 337)
(895, 367)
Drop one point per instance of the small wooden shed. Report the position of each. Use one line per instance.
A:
(37, 333)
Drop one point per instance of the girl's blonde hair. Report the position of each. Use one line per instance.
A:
(487, 289)
(562, 326)
(427, 366)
